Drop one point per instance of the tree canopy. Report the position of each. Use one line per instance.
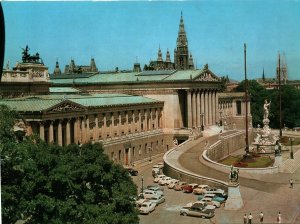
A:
(290, 104)
(44, 183)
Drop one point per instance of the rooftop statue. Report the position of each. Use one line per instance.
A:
(27, 58)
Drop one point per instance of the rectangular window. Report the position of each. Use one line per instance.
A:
(133, 151)
(119, 155)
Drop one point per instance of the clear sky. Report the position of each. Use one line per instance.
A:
(117, 34)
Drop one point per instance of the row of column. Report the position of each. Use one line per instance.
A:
(112, 124)
(201, 103)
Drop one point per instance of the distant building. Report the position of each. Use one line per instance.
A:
(78, 69)
(182, 59)
(29, 77)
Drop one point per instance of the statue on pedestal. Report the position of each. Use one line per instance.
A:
(266, 109)
(234, 175)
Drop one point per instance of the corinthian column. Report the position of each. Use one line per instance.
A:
(59, 133)
(206, 111)
(189, 109)
(51, 132)
(68, 133)
(194, 108)
(198, 111)
(42, 130)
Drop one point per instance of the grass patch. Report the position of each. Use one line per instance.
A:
(258, 162)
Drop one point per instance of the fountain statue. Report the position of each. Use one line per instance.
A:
(264, 136)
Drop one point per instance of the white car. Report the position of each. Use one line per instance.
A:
(193, 185)
(164, 181)
(141, 199)
(157, 199)
(158, 177)
(209, 201)
(160, 165)
(172, 183)
(147, 207)
(148, 194)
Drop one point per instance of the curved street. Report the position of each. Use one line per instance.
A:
(269, 193)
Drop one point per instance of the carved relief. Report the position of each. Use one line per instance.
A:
(66, 107)
(207, 77)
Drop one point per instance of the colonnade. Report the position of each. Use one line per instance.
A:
(98, 126)
(201, 107)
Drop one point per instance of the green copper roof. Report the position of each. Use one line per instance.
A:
(44, 102)
(63, 90)
(184, 75)
(131, 77)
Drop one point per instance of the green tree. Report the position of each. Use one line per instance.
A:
(44, 183)
(257, 94)
(290, 104)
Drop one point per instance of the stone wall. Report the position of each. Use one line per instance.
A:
(226, 145)
(138, 148)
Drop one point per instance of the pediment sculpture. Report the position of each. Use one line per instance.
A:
(66, 107)
(208, 77)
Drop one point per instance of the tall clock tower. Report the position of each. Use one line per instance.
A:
(181, 53)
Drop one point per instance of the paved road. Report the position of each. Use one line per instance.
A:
(167, 212)
(269, 195)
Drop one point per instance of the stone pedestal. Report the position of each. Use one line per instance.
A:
(234, 200)
(278, 161)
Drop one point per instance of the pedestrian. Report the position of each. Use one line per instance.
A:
(291, 183)
(261, 217)
(250, 217)
(279, 218)
(245, 219)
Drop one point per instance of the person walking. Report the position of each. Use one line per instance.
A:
(279, 218)
(291, 183)
(245, 219)
(261, 217)
(250, 217)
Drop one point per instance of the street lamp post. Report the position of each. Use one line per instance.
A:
(142, 179)
(292, 153)
(202, 121)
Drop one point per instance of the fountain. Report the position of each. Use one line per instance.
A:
(265, 139)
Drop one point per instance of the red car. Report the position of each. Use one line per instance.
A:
(187, 189)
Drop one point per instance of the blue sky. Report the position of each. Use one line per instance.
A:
(116, 33)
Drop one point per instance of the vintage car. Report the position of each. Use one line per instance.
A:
(179, 185)
(148, 193)
(157, 199)
(132, 172)
(172, 183)
(158, 177)
(209, 201)
(198, 211)
(147, 207)
(163, 181)
(213, 197)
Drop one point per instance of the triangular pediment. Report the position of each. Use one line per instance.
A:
(66, 106)
(207, 76)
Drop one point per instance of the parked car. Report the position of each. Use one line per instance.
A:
(193, 185)
(172, 183)
(157, 199)
(197, 211)
(155, 188)
(147, 207)
(209, 201)
(187, 189)
(200, 189)
(200, 204)
(164, 181)
(148, 193)
(132, 172)
(179, 185)
(140, 200)
(213, 197)
(160, 165)
(158, 177)
(155, 170)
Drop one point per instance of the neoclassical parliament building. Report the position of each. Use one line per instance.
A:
(135, 114)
